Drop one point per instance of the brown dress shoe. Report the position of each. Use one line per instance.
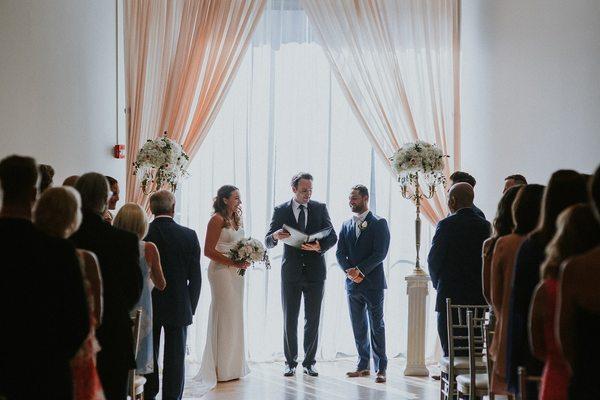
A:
(357, 373)
(380, 377)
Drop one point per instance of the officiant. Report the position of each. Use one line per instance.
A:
(303, 270)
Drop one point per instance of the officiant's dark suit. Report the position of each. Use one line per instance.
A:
(302, 273)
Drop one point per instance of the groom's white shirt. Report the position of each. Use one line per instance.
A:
(296, 210)
(358, 219)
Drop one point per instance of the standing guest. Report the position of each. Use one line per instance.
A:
(513, 180)
(525, 213)
(113, 185)
(71, 180)
(58, 214)
(502, 226)
(362, 246)
(303, 270)
(458, 177)
(577, 231)
(132, 218)
(455, 257)
(579, 313)
(173, 307)
(46, 176)
(43, 307)
(565, 188)
(118, 253)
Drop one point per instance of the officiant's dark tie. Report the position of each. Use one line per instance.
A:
(302, 218)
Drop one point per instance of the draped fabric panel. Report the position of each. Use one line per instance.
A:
(180, 59)
(397, 62)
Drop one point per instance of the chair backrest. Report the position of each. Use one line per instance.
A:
(137, 324)
(457, 325)
(488, 333)
(523, 380)
(476, 340)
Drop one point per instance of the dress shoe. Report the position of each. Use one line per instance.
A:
(380, 377)
(311, 371)
(289, 371)
(357, 373)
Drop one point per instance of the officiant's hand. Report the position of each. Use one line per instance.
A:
(281, 234)
(312, 246)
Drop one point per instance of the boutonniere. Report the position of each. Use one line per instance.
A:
(363, 225)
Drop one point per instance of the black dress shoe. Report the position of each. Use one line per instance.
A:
(289, 371)
(311, 371)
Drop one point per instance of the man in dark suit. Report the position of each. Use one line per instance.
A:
(303, 270)
(455, 257)
(362, 247)
(460, 177)
(43, 309)
(174, 307)
(119, 257)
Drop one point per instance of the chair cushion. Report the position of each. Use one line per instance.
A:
(463, 382)
(462, 363)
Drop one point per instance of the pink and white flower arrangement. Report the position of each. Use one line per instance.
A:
(251, 251)
(419, 157)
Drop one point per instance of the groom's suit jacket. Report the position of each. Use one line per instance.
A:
(298, 264)
(180, 259)
(366, 252)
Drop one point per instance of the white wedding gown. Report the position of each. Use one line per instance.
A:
(224, 356)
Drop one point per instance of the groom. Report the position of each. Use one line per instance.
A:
(303, 270)
(362, 247)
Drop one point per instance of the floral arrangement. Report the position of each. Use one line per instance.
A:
(251, 251)
(161, 162)
(419, 157)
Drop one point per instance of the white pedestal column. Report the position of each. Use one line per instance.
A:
(417, 289)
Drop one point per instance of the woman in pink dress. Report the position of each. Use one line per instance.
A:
(577, 232)
(58, 213)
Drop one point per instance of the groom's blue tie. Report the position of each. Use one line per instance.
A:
(302, 218)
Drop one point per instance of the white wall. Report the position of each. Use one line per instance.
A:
(530, 90)
(58, 84)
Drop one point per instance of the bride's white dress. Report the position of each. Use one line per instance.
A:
(224, 356)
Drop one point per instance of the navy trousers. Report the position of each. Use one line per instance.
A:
(173, 363)
(366, 314)
(291, 295)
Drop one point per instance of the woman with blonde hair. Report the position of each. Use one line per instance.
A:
(58, 213)
(132, 218)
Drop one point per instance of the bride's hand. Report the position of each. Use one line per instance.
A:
(243, 265)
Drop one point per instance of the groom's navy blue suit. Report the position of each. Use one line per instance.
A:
(365, 299)
(302, 273)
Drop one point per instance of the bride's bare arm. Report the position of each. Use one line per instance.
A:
(213, 231)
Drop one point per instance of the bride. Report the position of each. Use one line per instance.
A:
(224, 357)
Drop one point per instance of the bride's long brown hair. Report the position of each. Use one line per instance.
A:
(220, 207)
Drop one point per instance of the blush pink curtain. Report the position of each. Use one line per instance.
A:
(180, 58)
(397, 62)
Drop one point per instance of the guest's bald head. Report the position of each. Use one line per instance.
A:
(460, 196)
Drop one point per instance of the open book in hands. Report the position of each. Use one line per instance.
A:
(298, 238)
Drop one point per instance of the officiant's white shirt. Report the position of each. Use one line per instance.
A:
(296, 210)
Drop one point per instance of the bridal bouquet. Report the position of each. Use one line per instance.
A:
(161, 162)
(251, 251)
(419, 157)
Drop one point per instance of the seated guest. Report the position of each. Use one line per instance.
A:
(525, 212)
(565, 188)
(514, 180)
(43, 307)
(113, 185)
(502, 225)
(577, 231)
(455, 256)
(71, 180)
(458, 177)
(46, 176)
(58, 214)
(579, 313)
(118, 253)
(133, 219)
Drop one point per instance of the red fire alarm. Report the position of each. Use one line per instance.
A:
(119, 151)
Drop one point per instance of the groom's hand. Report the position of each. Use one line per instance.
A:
(312, 246)
(281, 234)
(354, 275)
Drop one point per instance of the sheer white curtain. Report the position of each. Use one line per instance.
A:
(286, 113)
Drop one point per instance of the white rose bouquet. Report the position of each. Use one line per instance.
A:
(419, 157)
(161, 162)
(251, 251)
